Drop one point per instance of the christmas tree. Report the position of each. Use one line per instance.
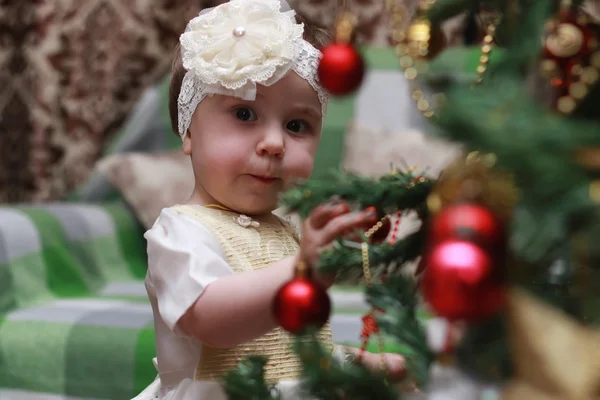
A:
(506, 247)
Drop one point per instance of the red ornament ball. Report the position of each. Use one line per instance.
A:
(341, 69)
(301, 303)
(461, 282)
(471, 222)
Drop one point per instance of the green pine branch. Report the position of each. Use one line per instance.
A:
(518, 15)
(399, 191)
(520, 33)
(327, 379)
(398, 299)
(498, 116)
(444, 10)
(536, 146)
(346, 255)
(247, 381)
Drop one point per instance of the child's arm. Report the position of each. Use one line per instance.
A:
(237, 308)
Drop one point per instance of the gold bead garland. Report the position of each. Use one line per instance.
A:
(413, 50)
(376, 227)
(486, 49)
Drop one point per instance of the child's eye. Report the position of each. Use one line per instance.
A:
(245, 114)
(297, 126)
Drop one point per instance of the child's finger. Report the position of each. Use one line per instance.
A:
(395, 365)
(342, 223)
(325, 212)
(395, 368)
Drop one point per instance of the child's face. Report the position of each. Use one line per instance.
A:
(244, 153)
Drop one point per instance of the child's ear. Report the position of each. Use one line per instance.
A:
(187, 143)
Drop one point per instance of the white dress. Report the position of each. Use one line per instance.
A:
(184, 257)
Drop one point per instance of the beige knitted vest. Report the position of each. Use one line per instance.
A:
(247, 249)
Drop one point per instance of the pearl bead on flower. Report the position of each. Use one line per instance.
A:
(239, 31)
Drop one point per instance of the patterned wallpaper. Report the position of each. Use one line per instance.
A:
(71, 70)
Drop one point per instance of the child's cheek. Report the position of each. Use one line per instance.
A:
(300, 164)
(228, 149)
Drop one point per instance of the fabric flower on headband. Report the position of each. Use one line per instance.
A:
(231, 48)
(241, 43)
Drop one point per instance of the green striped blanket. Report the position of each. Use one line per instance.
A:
(75, 319)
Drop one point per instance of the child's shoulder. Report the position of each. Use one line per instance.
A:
(175, 219)
(174, 230)
(195, 217)
(188, 212)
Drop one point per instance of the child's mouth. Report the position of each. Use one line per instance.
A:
(265, 179)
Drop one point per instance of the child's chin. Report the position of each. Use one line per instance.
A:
(259, 209)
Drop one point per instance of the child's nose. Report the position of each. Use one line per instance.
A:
(272, 144)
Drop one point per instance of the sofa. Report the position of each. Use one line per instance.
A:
(75, 322)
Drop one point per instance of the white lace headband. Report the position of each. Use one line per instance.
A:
(231, 48)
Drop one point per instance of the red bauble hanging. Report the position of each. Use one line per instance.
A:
(341, 69)
(461, 282)
(570, 40)
(469, 221)
(301, 303)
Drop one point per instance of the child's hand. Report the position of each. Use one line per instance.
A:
(394, 364)
(395, 367)
(324, 224)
